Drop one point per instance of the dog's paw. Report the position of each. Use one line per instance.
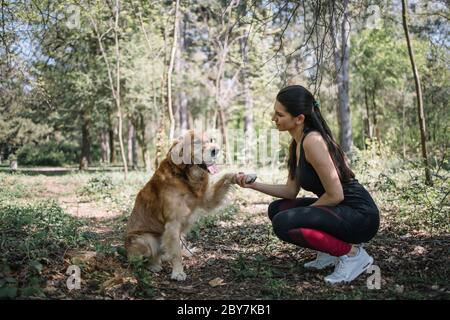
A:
(179, 276)
(155, 268)
(230, 178)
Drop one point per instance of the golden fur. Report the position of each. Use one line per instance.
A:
(167, 206)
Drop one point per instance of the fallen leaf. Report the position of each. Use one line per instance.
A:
(50, 290)
(186, 289)
(419, 250)
(112, 282)
(216, 282)
(83, 258)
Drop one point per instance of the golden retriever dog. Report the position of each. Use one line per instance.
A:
(169, 204)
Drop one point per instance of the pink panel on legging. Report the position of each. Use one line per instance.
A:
(322, 241)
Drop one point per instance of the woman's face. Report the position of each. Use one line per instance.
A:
(283, 119)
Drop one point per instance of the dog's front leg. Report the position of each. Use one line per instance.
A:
(172, 249)
(218, 191)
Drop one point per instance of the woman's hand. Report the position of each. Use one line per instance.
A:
(240, 180)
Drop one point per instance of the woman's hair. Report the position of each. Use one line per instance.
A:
(298, 100)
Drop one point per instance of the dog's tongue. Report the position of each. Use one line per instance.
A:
(212, 168)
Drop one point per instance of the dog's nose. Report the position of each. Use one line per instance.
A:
(214, 152)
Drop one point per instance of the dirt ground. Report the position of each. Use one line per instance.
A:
(235, 256)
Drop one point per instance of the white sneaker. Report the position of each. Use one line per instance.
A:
(348, 268)
(322, 261)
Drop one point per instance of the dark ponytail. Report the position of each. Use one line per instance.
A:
(298, 100)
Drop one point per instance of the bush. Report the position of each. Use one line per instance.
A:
(48, 154)
(399, 186)
(97, 186)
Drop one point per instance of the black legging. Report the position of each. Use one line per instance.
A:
(326, 228)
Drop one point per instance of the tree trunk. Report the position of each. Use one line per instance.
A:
(368, 129)
(221, 113)
(104, 146)
(341, 60)
(135, 150)
(403, 128)
(248, 105)
(112, 150)
(223, 129)
(170, 70)
(375, 121)
(159, 139)
(132, 148)
(85, 158)
(180, 68)
(142, 140)
(129, 141)
(160, 131)
(115, 88)
(422, 127)
(119, 109)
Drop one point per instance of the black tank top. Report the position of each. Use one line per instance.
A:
(306, 175)
(355, 195)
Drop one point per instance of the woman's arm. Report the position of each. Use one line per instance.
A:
(317, 154)
(286, 191)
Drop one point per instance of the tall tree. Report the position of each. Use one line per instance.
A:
(248, 100)
(170, 69)
(341, 46)
(115, 85)
(423, 136)
(181, 101)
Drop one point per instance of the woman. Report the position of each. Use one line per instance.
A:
(342, 216)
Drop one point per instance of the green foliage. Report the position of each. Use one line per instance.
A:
(398, 183)
(98, 186)
(275, 289)
(36, 230)
(32, 235)
(8, 283)
(254, 268)
(141, 272)
(383, 86)
(12, 192)
(48, 154)
(210, 221)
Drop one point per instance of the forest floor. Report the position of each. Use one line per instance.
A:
(50, 222)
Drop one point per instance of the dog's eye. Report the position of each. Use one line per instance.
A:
(211, 140)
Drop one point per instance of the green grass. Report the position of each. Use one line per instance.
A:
(226, 213)
(33, 236)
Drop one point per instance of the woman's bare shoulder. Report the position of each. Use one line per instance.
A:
(312, 138)
(314, 143)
